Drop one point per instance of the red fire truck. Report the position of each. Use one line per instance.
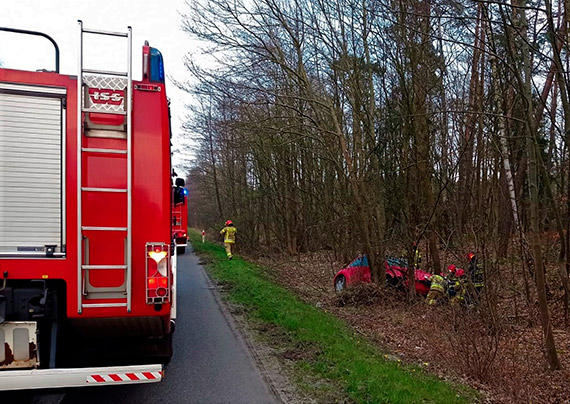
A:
(180, 216)
(87, 265)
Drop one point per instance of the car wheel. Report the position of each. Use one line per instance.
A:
(340, 284)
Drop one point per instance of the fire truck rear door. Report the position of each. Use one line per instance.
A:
(32, 211)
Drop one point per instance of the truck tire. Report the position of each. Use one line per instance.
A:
(161, 351)
(180, 250)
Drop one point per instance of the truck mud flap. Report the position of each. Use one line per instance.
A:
(79, 377)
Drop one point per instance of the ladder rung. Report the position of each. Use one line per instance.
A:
(109, 151)
(90, 189)
(88, 305)
(104, 266)
(102, 228)
(99, 32)
(99, 111)
(105, 72)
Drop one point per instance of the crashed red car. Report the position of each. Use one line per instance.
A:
(396, 274)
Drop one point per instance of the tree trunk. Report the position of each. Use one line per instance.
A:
(533, 161)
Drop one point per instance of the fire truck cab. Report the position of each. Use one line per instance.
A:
(87, 261)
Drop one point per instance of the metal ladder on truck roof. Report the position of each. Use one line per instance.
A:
(117, 82)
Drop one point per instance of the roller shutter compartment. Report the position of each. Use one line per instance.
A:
(31, 203)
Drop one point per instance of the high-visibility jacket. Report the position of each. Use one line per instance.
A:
(417, 258)
(437, 283)
(229, 233)
(456, 287)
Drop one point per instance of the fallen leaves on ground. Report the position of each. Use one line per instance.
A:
(501, 355)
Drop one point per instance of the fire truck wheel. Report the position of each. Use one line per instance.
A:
(180, 250)
(162, 350)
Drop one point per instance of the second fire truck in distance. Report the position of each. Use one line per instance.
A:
(180, 216)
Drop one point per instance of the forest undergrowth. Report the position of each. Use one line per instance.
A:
(496, 351)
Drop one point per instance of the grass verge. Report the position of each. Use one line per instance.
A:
(339, 355)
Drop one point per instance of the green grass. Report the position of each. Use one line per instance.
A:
(340, 355)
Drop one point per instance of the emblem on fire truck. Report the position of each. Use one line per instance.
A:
(106, 96)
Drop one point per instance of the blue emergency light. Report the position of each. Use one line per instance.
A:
(156, 66)
(185, 191)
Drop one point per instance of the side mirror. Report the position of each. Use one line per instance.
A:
(180, 182)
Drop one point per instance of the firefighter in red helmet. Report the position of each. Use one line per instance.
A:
(457, 284)
(477, 277)
(229, 232)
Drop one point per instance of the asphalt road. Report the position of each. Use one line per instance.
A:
(211, 362)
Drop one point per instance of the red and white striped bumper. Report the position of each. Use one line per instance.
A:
(124, 377)
(77, 377)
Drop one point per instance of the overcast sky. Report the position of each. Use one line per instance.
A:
(157, 21)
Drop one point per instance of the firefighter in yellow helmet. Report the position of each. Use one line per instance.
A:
(229, 232)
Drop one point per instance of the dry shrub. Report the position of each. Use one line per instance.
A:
(367, 294)
(491, 354)
(463, 341)
(474, 343)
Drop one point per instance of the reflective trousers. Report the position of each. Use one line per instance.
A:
(229, 249)
(457, 300)
(434, 297)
